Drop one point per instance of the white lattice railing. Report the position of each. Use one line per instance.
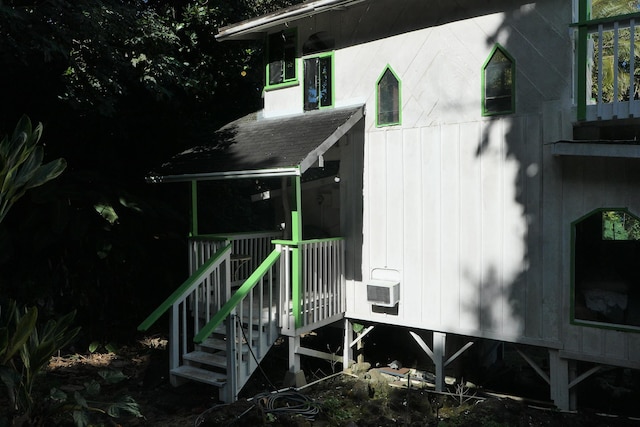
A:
(321, 296)
(608, 60)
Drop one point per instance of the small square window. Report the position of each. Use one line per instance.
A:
(281, 54)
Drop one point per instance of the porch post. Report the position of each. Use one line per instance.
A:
(559, 377)
(347, 353)
(439, 341)
(296, 268)
(584, 7)
(194, 208)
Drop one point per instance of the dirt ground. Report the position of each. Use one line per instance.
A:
(366, 398)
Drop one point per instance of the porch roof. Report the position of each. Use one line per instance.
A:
(253, 146)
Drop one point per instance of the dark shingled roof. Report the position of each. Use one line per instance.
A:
(254, 146)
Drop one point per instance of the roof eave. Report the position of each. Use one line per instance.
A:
(256, 27)
(619, 149)
(217, 176)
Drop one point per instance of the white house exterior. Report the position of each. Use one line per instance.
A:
(464, 205)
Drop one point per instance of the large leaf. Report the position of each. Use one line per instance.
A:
(21, 165)
(25, 326)
(126, 404)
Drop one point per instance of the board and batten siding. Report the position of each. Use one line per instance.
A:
(590, 183)
(455, 210)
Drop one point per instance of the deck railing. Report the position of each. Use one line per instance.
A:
(249, 250)
(320, 298)
(194, 303)
(608, 87)
(251, 314)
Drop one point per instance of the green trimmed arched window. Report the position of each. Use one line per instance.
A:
(498, 83)
(388, 111)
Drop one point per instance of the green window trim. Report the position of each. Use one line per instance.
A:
(281, 68)
(498, 91)
(318, 77)
(389, 110)
(605, 237)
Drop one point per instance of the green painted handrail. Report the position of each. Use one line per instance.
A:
(242, 292)
(195, 279)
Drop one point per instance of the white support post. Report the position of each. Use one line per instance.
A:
(559, 380)
(174, 344)
(436, 355)
(439, 341)
(294, 377)
(347, 352)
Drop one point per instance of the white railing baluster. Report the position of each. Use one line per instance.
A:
(616, 101)
(632, 69)
(600, 70)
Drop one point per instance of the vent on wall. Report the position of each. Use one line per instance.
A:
(384, 293)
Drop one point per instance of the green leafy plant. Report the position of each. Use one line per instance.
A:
(25, 351)
(86, 407)
(21, 165)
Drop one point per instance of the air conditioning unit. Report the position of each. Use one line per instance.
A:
(385, 293)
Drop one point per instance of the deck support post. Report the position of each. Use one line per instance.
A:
(559, 380)
(294, 377)
(347, 353)
(439, 341)
(436, 355)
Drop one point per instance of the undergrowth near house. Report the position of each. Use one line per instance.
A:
(138, 373)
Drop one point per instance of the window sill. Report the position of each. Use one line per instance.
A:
(282, 85)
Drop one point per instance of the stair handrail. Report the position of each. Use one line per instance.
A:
(185, 289)
(238, 296)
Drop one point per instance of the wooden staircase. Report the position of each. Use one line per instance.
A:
(209, 361)
(219, 333)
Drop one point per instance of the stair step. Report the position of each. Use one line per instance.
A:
(219, 344)
(210, 359)
(201, 375)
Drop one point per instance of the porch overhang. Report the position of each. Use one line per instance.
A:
(620, 149)
(255, 28)
(258, 147)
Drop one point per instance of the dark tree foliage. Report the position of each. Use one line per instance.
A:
(120, 85)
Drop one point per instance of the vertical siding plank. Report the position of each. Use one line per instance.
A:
(431, 202)
(411, 297)
(377, 205)
(515, 228)
(492, 226)
(395, 200)
(573, 208)
(532, 169)
(450, 225)
(470, 226)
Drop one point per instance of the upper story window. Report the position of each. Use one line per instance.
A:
(388, 99)
(318, 81)
(498, 83)
(606, 280)
(281, 54)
